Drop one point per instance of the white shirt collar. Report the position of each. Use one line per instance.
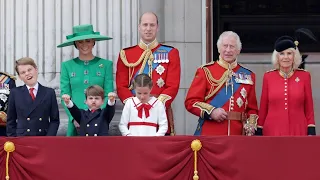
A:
(35, 86)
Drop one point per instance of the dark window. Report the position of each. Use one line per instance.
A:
(259, 22)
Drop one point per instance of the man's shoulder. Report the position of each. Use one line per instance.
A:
(246, 68)
(210, 64)
(130, 48)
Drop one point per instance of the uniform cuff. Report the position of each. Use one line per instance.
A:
(70, 105)
(311, 131)
(259, 132)
(111, 103)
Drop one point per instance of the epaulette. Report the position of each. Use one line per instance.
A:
(167, 46)
(9, 75)
(208, 64)
(302, 70)
(130, 47)
(271, 70)
(245, 67)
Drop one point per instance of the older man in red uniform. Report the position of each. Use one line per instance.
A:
(223, 93)
(160, 62)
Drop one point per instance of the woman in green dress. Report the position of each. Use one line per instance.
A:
(81, 72)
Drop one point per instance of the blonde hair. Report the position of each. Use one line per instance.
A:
(297, 59)
(25, 61)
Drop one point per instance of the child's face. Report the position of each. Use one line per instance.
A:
(28, 74)
(94, 102)
(143, 94)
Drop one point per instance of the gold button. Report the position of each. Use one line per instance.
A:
(285, 108)
(285, 89)
(39, 130)
(285, 98)
(28, 130)
(87, 134)
(95, 134)
(285, 94)
(88, 125)
(95, 124)
(28, 119)
(40, 119)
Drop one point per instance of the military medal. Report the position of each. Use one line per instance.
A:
(243, 93)
(160, 82)
(160, 69)
(297, 79)
(167, 59)
(101, 66)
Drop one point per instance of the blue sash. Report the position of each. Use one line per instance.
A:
(221, 97)
(161, 49)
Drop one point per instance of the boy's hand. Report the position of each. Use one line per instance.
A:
(66, 98)
(112, 96)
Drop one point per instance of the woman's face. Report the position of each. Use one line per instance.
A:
(85, 46)
(286, 58)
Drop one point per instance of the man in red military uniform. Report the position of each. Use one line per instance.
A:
(160, 62)
(223, 93)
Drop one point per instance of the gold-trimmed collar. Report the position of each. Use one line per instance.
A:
(151, 45)
(227, 65)
(286, 75)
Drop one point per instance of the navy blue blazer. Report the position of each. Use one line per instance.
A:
(93, 123)
(32, 118)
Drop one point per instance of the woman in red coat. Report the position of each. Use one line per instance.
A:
(286, 105)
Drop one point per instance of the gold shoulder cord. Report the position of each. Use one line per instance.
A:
(213, 82)
(147, 54)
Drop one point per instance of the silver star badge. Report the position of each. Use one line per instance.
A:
(160, 69)
(297, 79)
(239, 102)
(243, 93)
(160, 82)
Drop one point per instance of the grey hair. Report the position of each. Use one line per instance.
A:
(297, 59)
(226, 34)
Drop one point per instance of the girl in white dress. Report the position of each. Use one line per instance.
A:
(143, 115)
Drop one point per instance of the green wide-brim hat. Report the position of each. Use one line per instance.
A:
(83, 32)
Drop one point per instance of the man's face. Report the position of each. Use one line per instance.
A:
(85, 46)
(148, 27)
(28, 74)
(228, 49)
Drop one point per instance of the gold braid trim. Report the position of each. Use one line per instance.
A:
(146, 56)
(214, 83)
(131, 65)
(164, 98)
(204, 107)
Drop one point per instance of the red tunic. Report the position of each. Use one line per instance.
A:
(286, 106)
(244, 100)
(166, 80)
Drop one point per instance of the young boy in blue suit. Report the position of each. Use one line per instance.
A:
(33, 108)
(94, 121)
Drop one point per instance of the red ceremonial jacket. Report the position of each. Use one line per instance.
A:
(286, 106)
(165, 71)
(206, 85)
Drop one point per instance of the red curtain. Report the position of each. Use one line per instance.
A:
(161, 158)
